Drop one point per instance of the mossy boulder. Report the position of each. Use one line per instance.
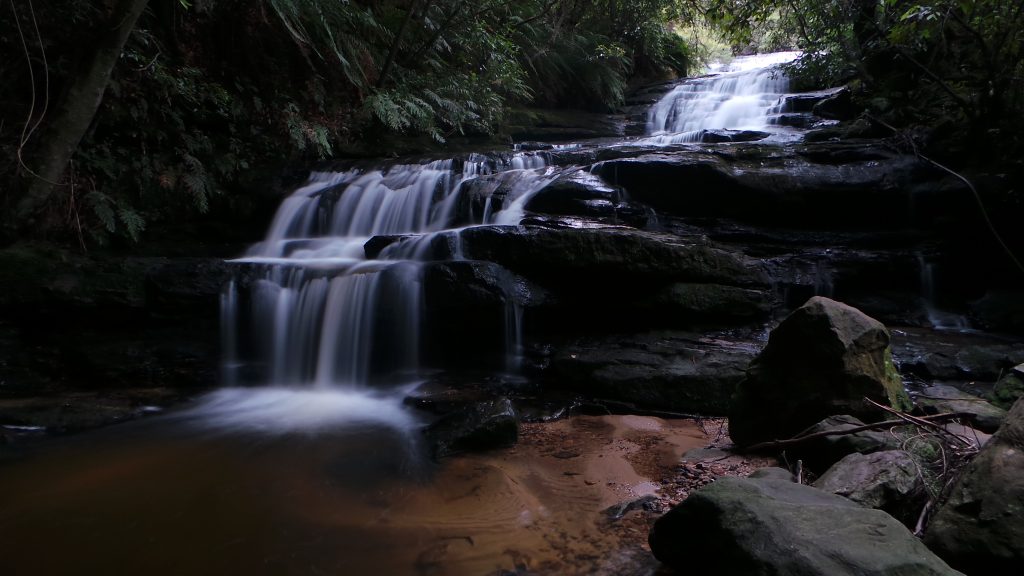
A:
(822, 360)
(1009, 388)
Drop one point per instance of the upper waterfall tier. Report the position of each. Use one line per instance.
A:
(745, 95)
(334, 213)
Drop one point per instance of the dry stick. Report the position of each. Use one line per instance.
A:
(919, 527)
(848, 431)
(918, 421)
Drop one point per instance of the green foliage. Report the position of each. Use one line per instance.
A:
(207, 90)
(934, 58)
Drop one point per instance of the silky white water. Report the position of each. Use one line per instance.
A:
(746, 94)
(315, 321)
(322, 327)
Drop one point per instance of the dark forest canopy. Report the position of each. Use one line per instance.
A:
(121, 113)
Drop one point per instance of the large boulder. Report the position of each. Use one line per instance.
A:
(980, 528)
(822, 360)
(887, 480)
(771, 526)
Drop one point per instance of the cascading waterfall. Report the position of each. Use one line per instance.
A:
(745, 95)
(316, 313)
(309, 311)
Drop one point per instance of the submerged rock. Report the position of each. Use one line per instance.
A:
(980, 528)
(823, 359)
(887, 480)
(766, 526)
(719, 136)
(482, 426)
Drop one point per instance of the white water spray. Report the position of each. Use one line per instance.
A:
(744, 95)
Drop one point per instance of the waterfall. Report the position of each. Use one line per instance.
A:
(938, 318)
(308, 309)
(744, 95)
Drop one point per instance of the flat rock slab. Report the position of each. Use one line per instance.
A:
(771, 526)
(943, 398)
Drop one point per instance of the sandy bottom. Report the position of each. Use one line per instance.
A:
(575, 496)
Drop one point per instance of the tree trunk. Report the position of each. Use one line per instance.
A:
(77, 109)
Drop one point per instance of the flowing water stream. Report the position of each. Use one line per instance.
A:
(307, 461)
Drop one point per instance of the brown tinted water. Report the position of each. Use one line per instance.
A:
(161, 498)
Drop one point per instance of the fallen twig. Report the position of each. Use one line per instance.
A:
(876, 426)
(918, 421)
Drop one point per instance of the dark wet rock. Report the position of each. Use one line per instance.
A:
(942, 398)
(74, 411)
(618, 279)
(485, 195)
(987, 362)
(446, 392)
(772, 473)
(1000, 310)
(719, 136)
(950, 356)
(798, 187)
(806, 101)
(528, 124)
(469, 307)
(1009, 388)
(838, 106)
(75, 321)
(823, 359)
(801, 120)
(821, 453)
(615, 512)
(185, 284)
(676, 372)
(530, 146)
(762, 527)
(483, 426)
(584, 256)
(980, 528)
(689, 301)
(853, 129)
(374, 246)
(887, 480)
(581, 193)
